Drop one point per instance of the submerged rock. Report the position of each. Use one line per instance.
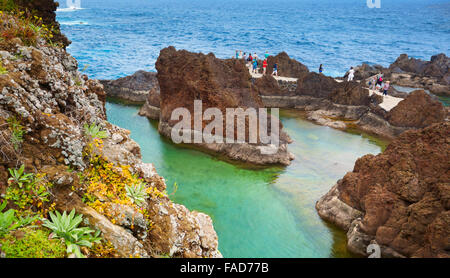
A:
(398, 199)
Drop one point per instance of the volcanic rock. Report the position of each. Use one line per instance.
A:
(398, 199)
(184, 77)
(287, 67)
(418, 110)
(134, 88)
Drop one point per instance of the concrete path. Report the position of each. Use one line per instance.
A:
(259, 75)
(389, 102)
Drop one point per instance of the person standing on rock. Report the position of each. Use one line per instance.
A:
(351, 74)
(275, 69)
(244, 57)
(255, 66)
(266, 55)
(385, 88)
(255, 56)
(372, 83)
(237, 54)
(264, 66)
(320, 68)
(379, 82)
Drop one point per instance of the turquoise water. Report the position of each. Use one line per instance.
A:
(265, 212)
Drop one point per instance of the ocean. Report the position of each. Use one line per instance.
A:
(115, 38)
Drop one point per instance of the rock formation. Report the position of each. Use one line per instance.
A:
(134, 88)
(286, 66)
(184, 77)
(398, 199)
(418, 110)
(151, 108)
(46, 106)
(433, 75)
(348, 104)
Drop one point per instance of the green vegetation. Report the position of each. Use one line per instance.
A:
(65, 226)
(9, 221)
(7, 5)
(27, 27)
(17, 132)
(27, 191)
(30, 243)
(95, 131)
(137, 193)
(3, 70)
(19, 177)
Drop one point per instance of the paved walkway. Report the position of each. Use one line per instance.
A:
(259, 75)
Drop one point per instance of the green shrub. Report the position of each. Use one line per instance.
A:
(3, 70)
(65, 226)
(27, 190)
(9, 221)
(7, 5)
(32, 244)
(94, 131)
(136, 193)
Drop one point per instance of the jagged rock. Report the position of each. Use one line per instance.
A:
(350, 93)
(151, 108)
(365, 71)
(430, 75)
(349, 104)
(134, 88)
(402, 193)
(44, 91)
(316, 85)
(286, 66)
(116, 138)
(417, 110)
(184, 77)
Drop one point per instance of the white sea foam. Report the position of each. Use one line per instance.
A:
(71, 9)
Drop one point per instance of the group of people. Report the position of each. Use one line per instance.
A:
(252, 62)
(376, 83)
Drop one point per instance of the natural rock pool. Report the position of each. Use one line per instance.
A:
(265, 212)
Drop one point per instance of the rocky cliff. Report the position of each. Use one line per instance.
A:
(398, 199)
(53, 121)
(184, 77)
